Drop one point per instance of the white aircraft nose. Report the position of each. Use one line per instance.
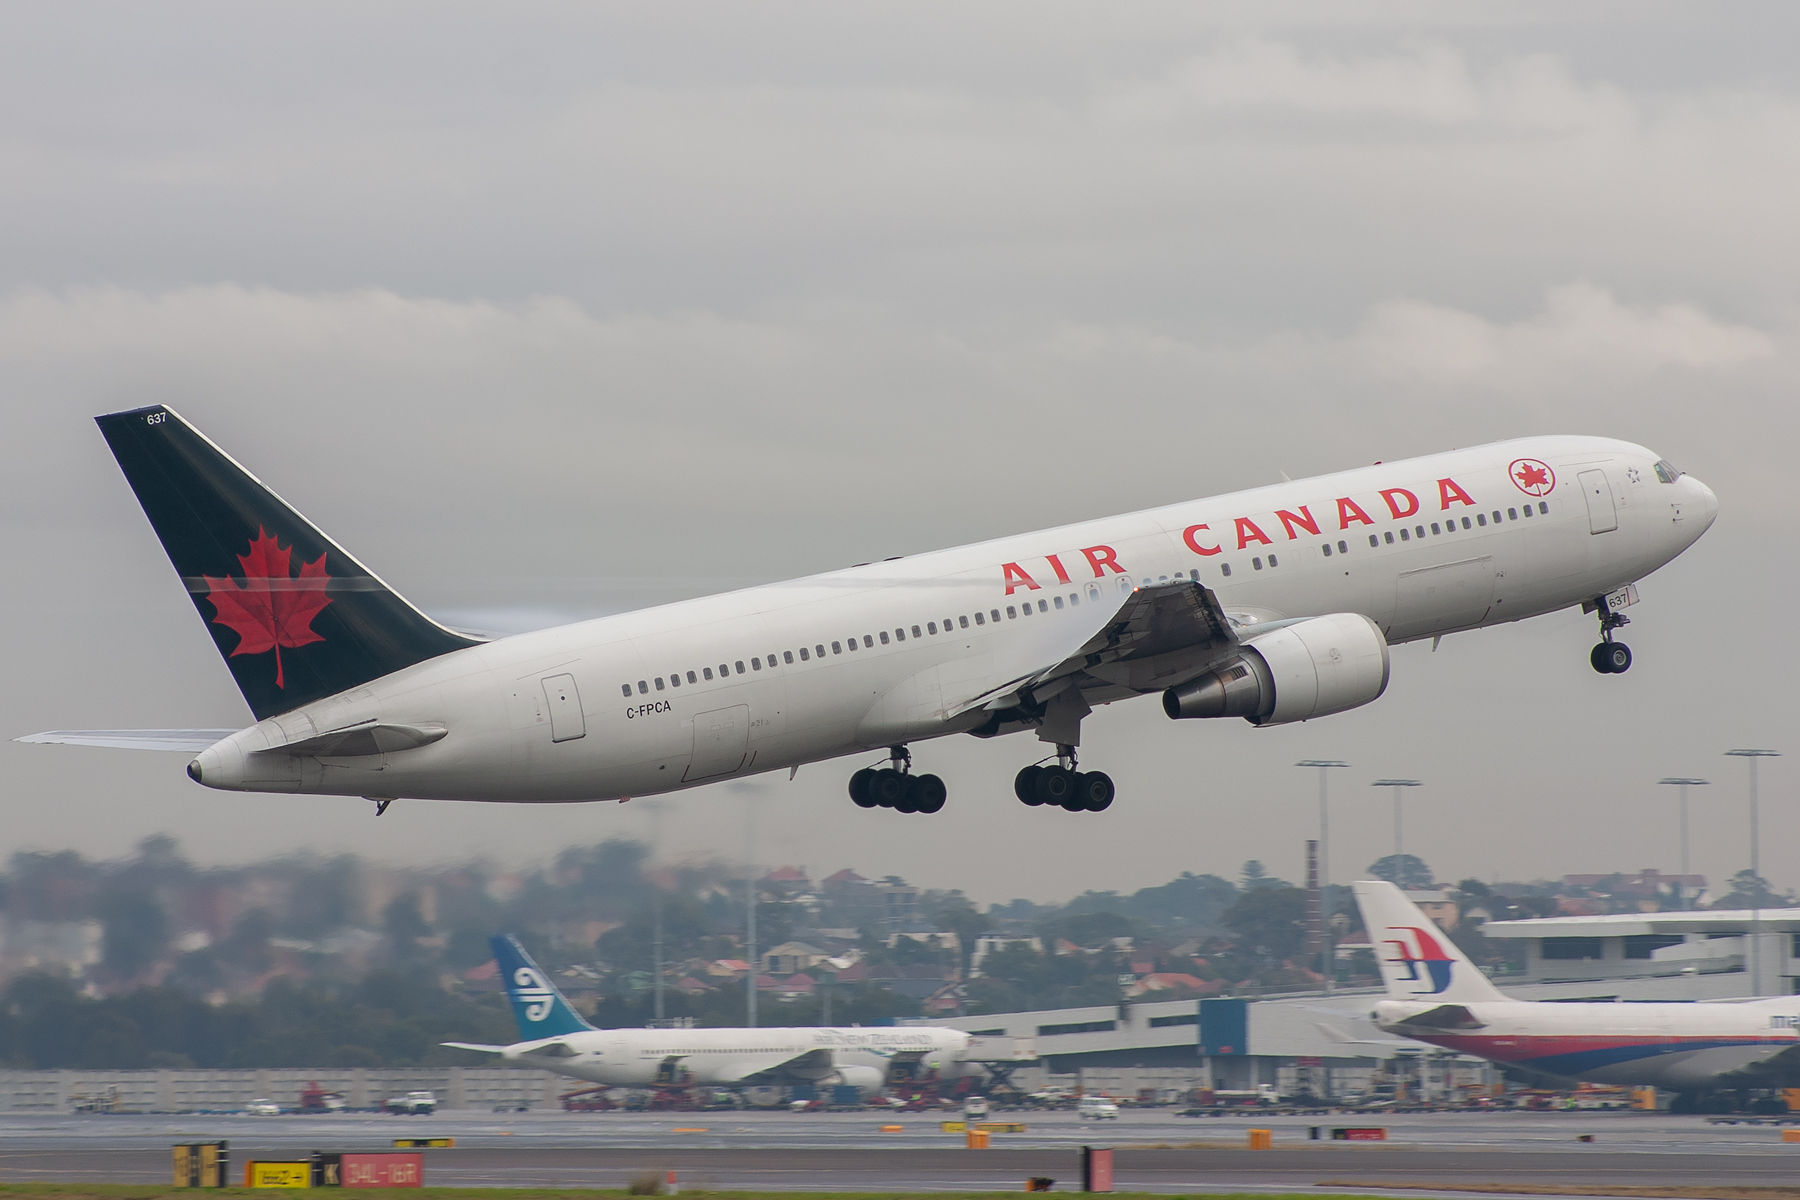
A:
(1704, 498)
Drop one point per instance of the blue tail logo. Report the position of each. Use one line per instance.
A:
(539, 1009)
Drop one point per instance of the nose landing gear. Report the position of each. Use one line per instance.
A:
(896, 787)
(1062, 786)
(1610, 657)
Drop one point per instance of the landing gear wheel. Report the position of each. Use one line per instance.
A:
(1094, 789)
(929, 794)
(1054, 785)
(1025, 785)
(1611, 658)
(888, 787)
(859, 788)
(909, 796)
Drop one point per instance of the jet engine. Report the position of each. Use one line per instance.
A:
(1312, 668)
(867, 1080)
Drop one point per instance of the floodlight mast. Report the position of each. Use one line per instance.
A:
(1755, 869)
(1397, 784)
(1684, 784)
(1327, 950)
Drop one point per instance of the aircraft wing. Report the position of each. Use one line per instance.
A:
(1445, 1017)
(1161, 635)
(476, 1046)
(188, 741)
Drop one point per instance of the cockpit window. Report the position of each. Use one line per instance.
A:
(1665, 471)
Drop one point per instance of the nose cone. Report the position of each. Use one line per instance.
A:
(1704, 499)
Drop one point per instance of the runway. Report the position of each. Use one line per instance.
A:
(1155, 1150)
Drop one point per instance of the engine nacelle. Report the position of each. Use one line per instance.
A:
(867, 1080)
(1312, 668)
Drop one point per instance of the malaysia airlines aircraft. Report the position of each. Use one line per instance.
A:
(1436, 995)
(557, 1038)
(1274, 605)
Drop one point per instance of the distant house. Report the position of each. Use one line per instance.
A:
(1170, 984)
(791, 957)
(787, 881)
(795, 986)
(1438, 906)
(728, 968)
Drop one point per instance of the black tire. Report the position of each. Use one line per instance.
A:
(1054, 786)
(1025, 785)
(910, 796)
(931, 794)
(1618, 657)
(887, 787)
(859, 788)
(1095, 790)
(1597, 658)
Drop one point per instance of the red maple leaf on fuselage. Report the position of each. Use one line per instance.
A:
(273, 607)
(1530, 476)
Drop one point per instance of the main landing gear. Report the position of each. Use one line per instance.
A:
(896, 787)
(1062, 786)
(1610, 657)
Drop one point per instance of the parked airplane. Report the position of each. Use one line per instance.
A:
(1274, 605)
(557, 1038)
(1436, 995)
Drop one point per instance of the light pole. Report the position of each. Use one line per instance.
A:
(656, 902)
(1755, 869)
(1328, 950)
(1396, 784)
(750, 905)
(1684, 784)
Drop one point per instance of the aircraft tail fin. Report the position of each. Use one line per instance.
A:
(294, 615)
(537, 1006)
(1418, 960)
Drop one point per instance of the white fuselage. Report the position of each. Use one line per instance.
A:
(855, 1055)
(887, 653)
(1659, 1045)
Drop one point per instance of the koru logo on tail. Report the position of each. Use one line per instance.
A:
(531, 991)
(1420, 951)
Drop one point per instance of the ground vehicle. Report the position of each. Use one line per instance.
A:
(975, 1108)
(316, 1099)
(263, 1107)
(411, 1104)
(1097, 1108)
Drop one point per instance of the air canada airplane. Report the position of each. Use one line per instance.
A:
(1436, 995)
(1274, 605)
(556, 1038)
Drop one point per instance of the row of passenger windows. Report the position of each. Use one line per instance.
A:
(1481, 519)
(866, 641)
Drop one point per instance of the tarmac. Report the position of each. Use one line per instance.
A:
(1155, 1150)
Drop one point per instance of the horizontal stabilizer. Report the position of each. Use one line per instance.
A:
(474, 1046)
(190, 741)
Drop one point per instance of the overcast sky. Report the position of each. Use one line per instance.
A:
(552, 310)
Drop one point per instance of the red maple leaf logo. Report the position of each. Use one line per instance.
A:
(1532, 477)
(273, 607)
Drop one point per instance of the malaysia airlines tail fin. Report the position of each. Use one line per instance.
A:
(1418, 960)
(537, 1006)
(294, 615)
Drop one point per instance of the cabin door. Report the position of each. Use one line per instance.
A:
(1603, 517)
